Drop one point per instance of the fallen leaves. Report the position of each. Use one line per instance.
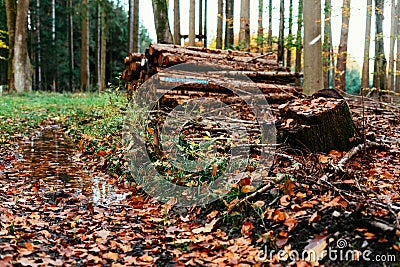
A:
(207, 228)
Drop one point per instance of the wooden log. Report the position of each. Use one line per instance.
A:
(318, 124)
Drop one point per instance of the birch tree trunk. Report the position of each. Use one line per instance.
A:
(11, 12)
(163, 30)
(177, 23)
(380, 59)
(192, 23)
(281, 48)
(219, 24)
(393, 37)
(229, 24)
(365, 69)
(22, 64)
(244, 34)
(313, 73)
(85, 47)
(340, 80)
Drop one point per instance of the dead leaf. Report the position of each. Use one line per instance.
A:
(316, 250)
(207, 228)
(285, 200)
(246, 228)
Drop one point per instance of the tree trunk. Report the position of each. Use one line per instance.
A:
(11, 11)
(290, 36)
(192, 23)
(281, 48)
(22, 64)
(177, 23)
(299, 40)
(327, 44)
(313, 73)
(260, 32)
(365, 69)
(130, 25)
(341, 67)
(219, 24)
(326, 125)
(163, 31)
(136, 26)
(85, 47)
(200, 20)
(269, 40)
(393, 37)
(380, 59)
(98, 46)
(205, 44)
(53, 43)
(229, 24)
(398, 49)
(70, 45)
(103, 50)
(244, 34)
(39, 49)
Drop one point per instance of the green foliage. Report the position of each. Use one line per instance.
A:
(353, 81)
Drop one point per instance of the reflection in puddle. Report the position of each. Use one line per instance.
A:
(49, 156)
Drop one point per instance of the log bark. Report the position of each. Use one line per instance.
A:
(318, 124)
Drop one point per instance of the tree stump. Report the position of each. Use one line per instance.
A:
(317, 124)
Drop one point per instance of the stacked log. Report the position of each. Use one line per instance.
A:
(274, 81)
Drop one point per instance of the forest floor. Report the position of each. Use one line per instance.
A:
(65, 199)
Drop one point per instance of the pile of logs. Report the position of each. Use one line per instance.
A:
(274, 81)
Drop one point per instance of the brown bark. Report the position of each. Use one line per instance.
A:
(260, 32)
(380, 59)
(85, 47)
(340, 80)
(11, 12)
(327, 44)
(21, 62)
(365, 69)
(281, 48)
(299, 43)
(135, 30)
(393, 37)
(177, 23)
(398, 50)
(219, 24)
(229, 24)
(192, 22)
(244, 34)
(269, 40)
(163, 30)
(103, 61)
(290, 36)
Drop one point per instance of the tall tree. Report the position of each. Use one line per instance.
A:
(130, 25)
(85, 47)
(244, 34)
(39, 49)
(380, 59)
(53, 43)
(219, 24)
(281, 48)
(269, 40)
(205, 44)
(11, 12)
(365, 69)
(327, 46)
(135, 26)
(97, 49)
(393, 37)
(103, 42)
(299, 41)
(341, 67)
(313, 74)
(260, 32)
(398, 49)
(70, 44)
(229, 24)
(290, 36)
(192, 23)
(177, 23)
(200, 20)
(22, 63)
(163, 30)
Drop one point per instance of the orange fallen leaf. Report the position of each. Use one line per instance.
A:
(207, 228)
(246, 228)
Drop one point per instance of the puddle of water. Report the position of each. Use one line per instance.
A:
(48, 156)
